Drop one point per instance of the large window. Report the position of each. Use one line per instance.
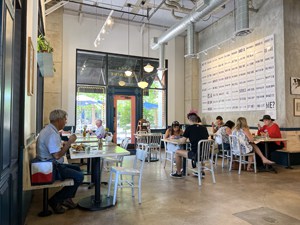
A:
(99, 73)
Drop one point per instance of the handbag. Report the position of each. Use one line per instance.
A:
(42, 172)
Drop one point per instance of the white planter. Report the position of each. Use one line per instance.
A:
(45, 61)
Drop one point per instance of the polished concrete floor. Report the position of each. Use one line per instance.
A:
(181, 201)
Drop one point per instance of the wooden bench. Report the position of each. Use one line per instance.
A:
(295, 157)
(28, 154)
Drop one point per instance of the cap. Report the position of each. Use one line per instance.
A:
(266, 117)
(175, 123)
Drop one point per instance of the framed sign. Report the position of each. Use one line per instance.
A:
(296, 106)
(30, 68)
(295, 85)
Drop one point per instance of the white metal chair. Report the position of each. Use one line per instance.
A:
(120, 172)
(169, 156)
(205, 156)
(236, 150)
(225, 152)
(153, 145)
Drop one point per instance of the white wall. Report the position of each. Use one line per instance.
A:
(82, 35)
(30, 101)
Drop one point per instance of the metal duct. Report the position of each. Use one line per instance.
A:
(242, 18)
(186, 21)
(161, 65)
(190, 40)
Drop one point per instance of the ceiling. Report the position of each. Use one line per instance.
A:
(161, 13)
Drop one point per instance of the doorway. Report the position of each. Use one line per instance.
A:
(124, 117)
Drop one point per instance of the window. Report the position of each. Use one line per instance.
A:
(90, 106)
(154, 101)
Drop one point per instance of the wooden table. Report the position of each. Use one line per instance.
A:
(266, 141)
(98, 202)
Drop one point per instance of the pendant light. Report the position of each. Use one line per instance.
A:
(148, 68)
(128, 72)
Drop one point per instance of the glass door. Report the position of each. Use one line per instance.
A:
(124, 117)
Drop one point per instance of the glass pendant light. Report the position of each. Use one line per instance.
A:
(128, 72)
(148, 68)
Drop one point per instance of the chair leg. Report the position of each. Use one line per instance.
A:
(116, 188)
(132, 186)
(223, 155)
(172, 162)
(166, 156)
(212, 172)
(109, 183)
(240, 165)
(231, 161)
(140, 190)
(199, 173)
(254, 162)
(216, 160)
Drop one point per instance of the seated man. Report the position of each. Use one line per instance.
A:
(49, 148)
(194, 133)
(100, 132)
(219, 123)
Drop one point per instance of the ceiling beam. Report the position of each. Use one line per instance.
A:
(55, 7)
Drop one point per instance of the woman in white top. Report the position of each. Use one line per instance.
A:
(246, 141)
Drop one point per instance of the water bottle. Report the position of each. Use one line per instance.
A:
(100, 144)
(72, 130)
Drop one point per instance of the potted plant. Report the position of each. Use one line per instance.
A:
(44, 56)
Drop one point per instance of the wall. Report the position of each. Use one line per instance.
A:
(267, 21)
(81, 35)
(53, 85)
(30, 101)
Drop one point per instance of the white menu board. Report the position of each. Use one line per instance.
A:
(241, 80)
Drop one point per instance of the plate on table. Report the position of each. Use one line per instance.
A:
(78, 148)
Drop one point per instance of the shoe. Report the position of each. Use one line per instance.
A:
(56, 207)
(202, 174)
(176, 175)
(69, 203)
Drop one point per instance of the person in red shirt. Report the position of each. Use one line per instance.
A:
(272, 129)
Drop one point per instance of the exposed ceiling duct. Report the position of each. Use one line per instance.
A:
(242, 18)
(186, 21)
(190, 41)
(161, 65)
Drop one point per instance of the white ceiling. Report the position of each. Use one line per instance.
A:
(159, 14)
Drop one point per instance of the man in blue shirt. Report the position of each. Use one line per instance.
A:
(50, 147)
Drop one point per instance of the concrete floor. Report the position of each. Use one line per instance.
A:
(181, 201)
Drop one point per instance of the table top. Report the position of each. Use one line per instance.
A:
(147, 134)
(107, 150)
(86, 139)
(174, 141)
(263, 139)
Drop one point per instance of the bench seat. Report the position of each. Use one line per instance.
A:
(29, 154)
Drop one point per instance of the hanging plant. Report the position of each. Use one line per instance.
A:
(43, 45)
(45, 58)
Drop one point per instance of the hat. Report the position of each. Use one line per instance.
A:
(175, 123)
(266, 117)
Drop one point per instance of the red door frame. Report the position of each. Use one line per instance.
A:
(133, 112)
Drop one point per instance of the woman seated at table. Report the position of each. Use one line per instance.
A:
(174, 132)
(246, 141)
(224, 133)
(272, 130)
